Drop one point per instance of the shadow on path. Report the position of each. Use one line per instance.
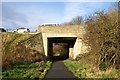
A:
(59, 71)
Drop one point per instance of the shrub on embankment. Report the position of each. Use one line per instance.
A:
(102, 35)
(13, 52)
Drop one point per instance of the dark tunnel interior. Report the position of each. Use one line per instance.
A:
(58, 48)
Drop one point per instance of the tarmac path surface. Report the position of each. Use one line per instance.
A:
(59, 72)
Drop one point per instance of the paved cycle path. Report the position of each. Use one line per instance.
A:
(59, 71)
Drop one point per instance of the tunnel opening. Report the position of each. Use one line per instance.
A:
(60, 51)
(59, 48)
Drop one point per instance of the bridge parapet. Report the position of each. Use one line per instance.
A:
(61, 29)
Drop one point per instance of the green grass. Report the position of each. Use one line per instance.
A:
(76, 68)
(85, 71)
(26, 71)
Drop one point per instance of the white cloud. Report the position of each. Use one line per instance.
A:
(74, 9)
(12, 18)
(29, 17)
(32, 16)
(41, 15)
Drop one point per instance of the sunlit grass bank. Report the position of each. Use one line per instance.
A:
(81, 70)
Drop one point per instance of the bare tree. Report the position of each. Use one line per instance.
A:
(77, 20)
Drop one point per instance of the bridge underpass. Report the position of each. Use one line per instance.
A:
(71, 35)
(67, 42)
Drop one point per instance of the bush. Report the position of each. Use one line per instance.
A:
(102, 35)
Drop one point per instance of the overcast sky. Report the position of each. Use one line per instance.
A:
(32, 14)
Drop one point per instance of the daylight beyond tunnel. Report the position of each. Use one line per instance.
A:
(59, 48)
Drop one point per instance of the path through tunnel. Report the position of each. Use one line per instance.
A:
(59, 48)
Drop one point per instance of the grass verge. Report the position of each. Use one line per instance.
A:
(81, 70)
(26, 71)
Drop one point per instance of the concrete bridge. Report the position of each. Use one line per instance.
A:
(72, 35)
